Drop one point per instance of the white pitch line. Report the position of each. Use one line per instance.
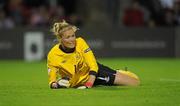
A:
(170, 80)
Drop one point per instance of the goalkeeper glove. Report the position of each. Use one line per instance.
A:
(63, 83)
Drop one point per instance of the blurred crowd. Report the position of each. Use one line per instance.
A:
(40, 13)
(152, 13)
(36, 13)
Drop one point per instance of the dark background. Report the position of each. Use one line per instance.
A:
(112, 28)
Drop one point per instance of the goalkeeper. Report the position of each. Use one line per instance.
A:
(71, 63)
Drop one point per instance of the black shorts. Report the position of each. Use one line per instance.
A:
(105, 75)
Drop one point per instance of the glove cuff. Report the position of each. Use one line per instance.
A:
(88, 84)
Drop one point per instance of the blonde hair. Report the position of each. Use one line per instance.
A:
(60, 27)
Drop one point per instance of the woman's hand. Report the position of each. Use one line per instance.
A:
(54, 85)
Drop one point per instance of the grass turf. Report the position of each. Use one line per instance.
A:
(26, 84)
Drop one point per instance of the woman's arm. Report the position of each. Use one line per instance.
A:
(92, 78)
(91, 61)
(52, 77)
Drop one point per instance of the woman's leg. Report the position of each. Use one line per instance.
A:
(126, 78)
(108, 76)
(105, 76)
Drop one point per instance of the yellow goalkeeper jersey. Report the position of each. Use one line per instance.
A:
(74, 65)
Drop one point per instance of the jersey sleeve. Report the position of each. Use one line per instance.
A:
(89, 56)
(52, 70)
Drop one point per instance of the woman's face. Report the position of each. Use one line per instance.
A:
(68, 39)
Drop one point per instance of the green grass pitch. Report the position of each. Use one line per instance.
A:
(26, 84)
